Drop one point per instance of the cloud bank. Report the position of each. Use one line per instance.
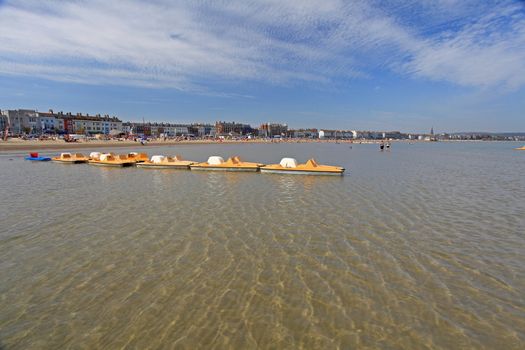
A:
(189, 45)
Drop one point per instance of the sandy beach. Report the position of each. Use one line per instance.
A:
(38, 145)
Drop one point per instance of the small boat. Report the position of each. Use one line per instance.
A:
(109, 159)
(69, 158)
(138, 157)
(35, 157)
(522, 148)
(162, 162)
(290, 166)
(232, 164)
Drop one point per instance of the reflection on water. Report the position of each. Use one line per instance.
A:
(307, 182)
(418, 248)
(287, 188)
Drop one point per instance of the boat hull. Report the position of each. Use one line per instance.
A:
(300, 172)
(235, 169)
(69, 161)
(38, 159)
(161, 166)
(115, 165)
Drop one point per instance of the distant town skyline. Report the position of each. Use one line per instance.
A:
(456, 66)
(31, 123)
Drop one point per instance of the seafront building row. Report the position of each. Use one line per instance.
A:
(26, 121)
(21, 122)
(32, 122)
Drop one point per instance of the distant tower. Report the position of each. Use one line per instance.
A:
(432, 131)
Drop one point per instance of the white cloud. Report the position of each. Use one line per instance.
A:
(189, 45)
(486, 52)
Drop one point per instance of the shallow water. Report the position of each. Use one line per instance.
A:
(419, 247)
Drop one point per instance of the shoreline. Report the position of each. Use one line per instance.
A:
(36, 146)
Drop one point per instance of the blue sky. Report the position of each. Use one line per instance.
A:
(457, 65)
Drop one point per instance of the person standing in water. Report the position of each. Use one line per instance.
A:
(382, 146)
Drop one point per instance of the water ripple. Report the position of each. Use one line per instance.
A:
(418, 248)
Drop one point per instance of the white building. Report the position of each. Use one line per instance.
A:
(392, 135)
(326, 134)
(23, 121)
(3, 123)
(50, 122)
(206, 130)
(306, 134)
(344, 134)
(336, 134)
(172, 130)
(86, 124)
(181, 130)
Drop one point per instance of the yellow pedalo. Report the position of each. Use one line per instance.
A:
(69, 158)
(290, 166)
(138, 157)
(110, 159)
(162, 162)
(216, 163)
